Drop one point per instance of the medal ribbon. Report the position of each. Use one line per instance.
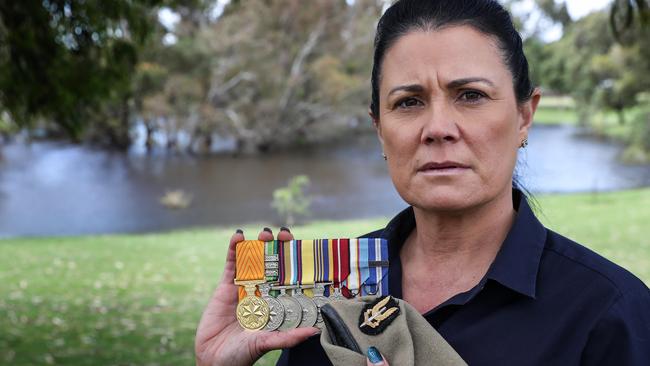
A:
(340, 262)
(249, 263)
(377, 281)
(306, 262)
(271, 248)
(282, 273)
(290, 265)
(323, 260)
(368, 267)
(358, 266)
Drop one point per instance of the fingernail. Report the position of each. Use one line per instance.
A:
(268, 230)
(374, 356)
(239, 231)
(285, 229)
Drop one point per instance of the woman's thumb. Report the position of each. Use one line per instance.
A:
(375, 358)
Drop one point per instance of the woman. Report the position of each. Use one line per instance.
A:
(452, 104)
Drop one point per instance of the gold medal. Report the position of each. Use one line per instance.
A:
(252, 311)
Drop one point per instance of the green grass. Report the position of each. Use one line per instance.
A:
(555, 116)
(555, 110)
(136, 299)
(605, 124)
(614, 225)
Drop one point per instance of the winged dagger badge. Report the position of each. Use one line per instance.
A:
(377, 315)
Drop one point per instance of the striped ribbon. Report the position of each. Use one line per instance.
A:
(324, 261)
(306, 269)
(357, 266)
(290, 262)
(367, 274)
(282, 260)
(249, 263)
(296, 262)
(341, 262)
(379, 252)
(271, 248)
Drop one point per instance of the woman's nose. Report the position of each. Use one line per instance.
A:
(440, 125)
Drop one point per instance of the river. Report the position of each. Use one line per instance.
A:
(53, 188)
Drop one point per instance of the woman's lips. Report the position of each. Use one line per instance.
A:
(444, 167)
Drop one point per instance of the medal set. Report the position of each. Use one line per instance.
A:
(283, 285)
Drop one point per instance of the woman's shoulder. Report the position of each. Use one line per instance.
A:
(610, 300)
(577, 262)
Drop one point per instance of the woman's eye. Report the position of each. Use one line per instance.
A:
(408, 103)
(471, 96)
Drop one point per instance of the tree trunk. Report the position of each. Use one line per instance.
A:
(621, 116)
(149, 127)
(119, 135)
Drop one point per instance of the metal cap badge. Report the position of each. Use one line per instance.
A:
(377, 315)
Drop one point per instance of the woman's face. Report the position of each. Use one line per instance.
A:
(448, 120)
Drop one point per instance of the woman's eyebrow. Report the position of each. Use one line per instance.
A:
(460, 82)
(417, 88)
(413, 88)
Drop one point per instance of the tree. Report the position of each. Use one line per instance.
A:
(171, 86)
(293, 75)
(622, 15)
(71, 61)
(589, 64)
(558, 12)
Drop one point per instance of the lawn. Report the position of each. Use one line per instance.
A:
(557, 110)
(136, 299)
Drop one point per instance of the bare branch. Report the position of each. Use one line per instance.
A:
(296, 67)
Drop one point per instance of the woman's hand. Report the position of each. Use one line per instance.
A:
(220, 340)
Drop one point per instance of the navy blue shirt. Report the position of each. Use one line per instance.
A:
(545, 300)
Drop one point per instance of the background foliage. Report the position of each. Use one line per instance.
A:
(96, 71)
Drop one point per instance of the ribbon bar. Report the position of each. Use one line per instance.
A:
(378, 263)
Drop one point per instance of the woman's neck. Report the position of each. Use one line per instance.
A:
(449, 254)
(470, 239)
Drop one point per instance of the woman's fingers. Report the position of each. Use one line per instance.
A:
(375, 358)
(285, 234)
(234, 239)
(229, 268)
(265, 235)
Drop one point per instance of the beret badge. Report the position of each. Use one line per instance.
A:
(377, 315)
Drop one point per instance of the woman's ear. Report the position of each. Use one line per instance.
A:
(527, 112)
(375, 122)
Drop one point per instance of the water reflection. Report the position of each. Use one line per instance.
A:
(57, 189)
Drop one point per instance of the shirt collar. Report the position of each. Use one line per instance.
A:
(516, 264)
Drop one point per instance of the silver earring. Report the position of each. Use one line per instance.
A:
(524, 143)
(384, 156)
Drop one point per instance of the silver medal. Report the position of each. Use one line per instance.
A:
(320, 300)
(309, 308)
(276, 310)
(292, 310)
(336, 294)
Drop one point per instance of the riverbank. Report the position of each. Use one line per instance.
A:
(561, 110)
(136, 299)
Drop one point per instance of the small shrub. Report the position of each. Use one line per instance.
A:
(638, 149)
(291, 201)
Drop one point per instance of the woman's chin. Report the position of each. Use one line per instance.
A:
(444, 200)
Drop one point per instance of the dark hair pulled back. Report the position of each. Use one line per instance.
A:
(486, 16)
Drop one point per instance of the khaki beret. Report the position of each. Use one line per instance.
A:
(400, 333)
